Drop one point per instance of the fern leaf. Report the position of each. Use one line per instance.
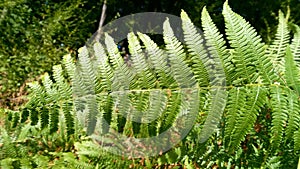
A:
(295, 45)
(159, 60)
(249, 52)
(245, 120)
(292, 72)
(293, 114)
(236, 102)
(54, 118)
(69, 117)
(63, 88)
(52, 93)
(180, 70)
(93, 110)
(216, 109)
(216, 44)
(25, 114)
(297, 140)
(113, 51)
(172, 110)
(70, 66)
(145, 77)
(279, 114)
(105, 68)
(89, 78)
(201, 62)
(277, 49)
(122, 74)
(44, 117)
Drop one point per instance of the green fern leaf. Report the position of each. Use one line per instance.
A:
(279, 114)
(295, 45)
(256, 96)
(216, 45)
(277, 49)
(64, 89)
(293, 114)
(297, 140)
(292, 72)
(69, 117)
(249, 52)
(195, 44)
(69, 66)
(179, 68)
(158, 59)
(236, 102)
(145, 77)
(105, 71)
(44, 117)
(54, 118)
(216, 109)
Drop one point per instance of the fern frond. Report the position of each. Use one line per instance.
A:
(122, 74)
(69, 66)
(25, 114)
(216, 109)
(249, 52)
(113, 52)
(44, 117)
(69, 117)
(297, 140)
(293, 114)
(277, 48)
(295, 45)
(236, 102)
(93, 112)
(145, 77)
(279, 113)
(256, 98)
(50, 89)
(216, 44)
(87, 73)
(201, 63)
(63, 88)
(106, 72)
(180, 70)
(54, 118)
(172, 109)
(292, 72)
(159, 60)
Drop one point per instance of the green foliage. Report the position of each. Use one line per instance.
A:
(258, 127)
(33, 40)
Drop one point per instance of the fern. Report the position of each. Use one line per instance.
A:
(277, 48)
(200, 84)
(249, 52)
(279, 116)
(216, 46)
(291, 71)
(295, 44)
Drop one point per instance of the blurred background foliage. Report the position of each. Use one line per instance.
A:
(35, 34)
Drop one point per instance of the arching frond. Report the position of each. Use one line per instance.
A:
(292, 72)
(249, 52)
(179, 68)
(279, 113)
(255, 100)
(277, 48)
(195, 44)
(215, 45)
(295, 45)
